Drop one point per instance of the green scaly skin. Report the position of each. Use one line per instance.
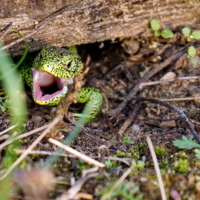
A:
(63, 63)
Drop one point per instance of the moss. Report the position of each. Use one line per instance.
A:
(181, 166)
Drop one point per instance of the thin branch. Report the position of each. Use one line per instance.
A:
(8, 129)
(176, 109)
(4, 137)
(169, 80)
(93, 137)
(6, 30)
(46, 153)
(126, 161)
(22, 136)
(156, 68)
(130, 118)
(72, 192)
(180, 99)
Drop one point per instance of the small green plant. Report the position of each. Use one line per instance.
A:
(164, 163)
(194, 61)
(197, 153)
(155, 26)
(191, 51)
(165, 33)
(185, 143)
(181, 155)
(126, 191)
(139, 165)
(160, 151)
(5, 105)
(81, 165)
(181, 166)
(132, 153)
(135, 152)
(110, 164)
(127, 140)
(186, 31)
(196, 35)
(120, 154)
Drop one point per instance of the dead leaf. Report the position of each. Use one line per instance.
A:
(35, 183)
(168, 124)
(168, 75)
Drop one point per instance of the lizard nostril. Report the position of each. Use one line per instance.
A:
(68, 65)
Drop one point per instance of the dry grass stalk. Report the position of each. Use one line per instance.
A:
(76, 153)
(157, 169)
(32, 146)
(22, 136)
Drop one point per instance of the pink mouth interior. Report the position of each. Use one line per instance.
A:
(47, 87)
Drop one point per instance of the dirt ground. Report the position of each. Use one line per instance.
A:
(116, 68)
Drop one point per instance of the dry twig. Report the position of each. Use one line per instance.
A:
(4, 137)
(126, 161)
(76, 153)
(46, 153)
(51, 125)
(6, 30)
(8, 129)
(177, 110)
(72, 192)
(169, 80)
(130, 118)
(155, 69)
(93, 137)
(22, 136)
(181, 99)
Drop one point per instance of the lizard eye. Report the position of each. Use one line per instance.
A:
(68, 65)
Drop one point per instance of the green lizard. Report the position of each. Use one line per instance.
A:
(53, 69)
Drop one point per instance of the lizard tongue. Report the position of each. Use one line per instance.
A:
(45, 79)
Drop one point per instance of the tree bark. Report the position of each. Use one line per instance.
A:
(105, 20)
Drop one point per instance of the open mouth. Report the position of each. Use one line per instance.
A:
(47, 87)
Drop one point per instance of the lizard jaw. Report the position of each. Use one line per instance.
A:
(48, 89)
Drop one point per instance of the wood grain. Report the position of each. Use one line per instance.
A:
(105, 20)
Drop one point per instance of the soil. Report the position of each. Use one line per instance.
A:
(115, 68)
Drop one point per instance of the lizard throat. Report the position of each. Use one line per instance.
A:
(48, 89)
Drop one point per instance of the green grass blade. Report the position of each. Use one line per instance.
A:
(17, 109)
(25, 50)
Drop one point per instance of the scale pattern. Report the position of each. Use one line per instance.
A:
(60, 62)
(63, 63)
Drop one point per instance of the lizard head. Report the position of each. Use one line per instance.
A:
(53, 69)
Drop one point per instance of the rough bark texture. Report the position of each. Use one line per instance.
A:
(105, 20)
